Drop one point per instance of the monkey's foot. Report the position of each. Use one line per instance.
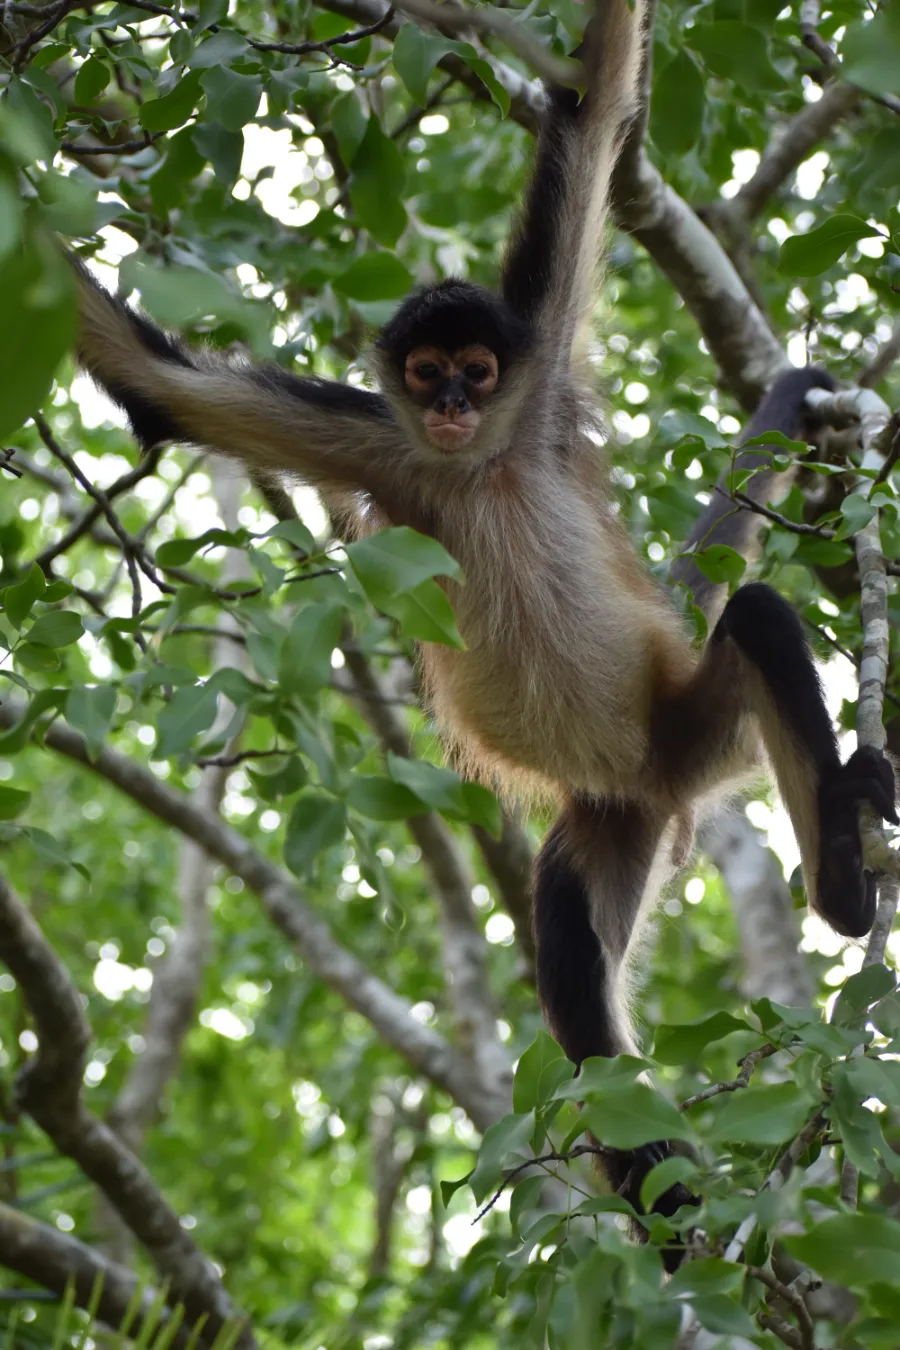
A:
(846, 892)
(627, 1172)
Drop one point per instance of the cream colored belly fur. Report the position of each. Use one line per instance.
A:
(554, 689)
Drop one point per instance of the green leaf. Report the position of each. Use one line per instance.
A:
(676, 424)
(180, 295)
(92, 78)
(304, 666)
(231, 99)
(540, 1071)
(220, 49)
(822, 552)
(295, 533)
(182, 162)
(676, 110)
(858, 1128)
(710, 1275)
(12, 802)
(855, 1249)
(485, 72)
(664, 1175)
(51, 851)
(861, 990)
(288, 779)
(857, 511)
(18, 599)
(90, 709)
(735, 51)
(375, 276)
(632, 1114)
(376, 186)
(37, 304)
(723, 1316)
(673, 509)
(36, 658)
(770, 1113)
(397, 560)
(383, 799)
(682, 1044)
(172, 109)
(348, 122)
(58, 629)
(426, 615)
(806, 255)
(598, 1075)
(177, 552)
(438, 788)
(17, 737)
(721, 563)
(415, 55)
(223, 149)
(505, 1144)
(482, 808)
(871, 52)
(315, 824)
(188, 712)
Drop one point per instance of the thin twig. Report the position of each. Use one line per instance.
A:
(747, 1065)
(229, 761)
(791, 1297)
(599, 1150)
(343, 39)
(84, 522)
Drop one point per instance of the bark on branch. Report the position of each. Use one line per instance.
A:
(49, 1089)
(55, 1260)
(423, 1048)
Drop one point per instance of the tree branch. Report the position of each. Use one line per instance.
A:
(774, 966)
(424, 1049)
(57, 1260)
(791, 145)
(49, 1089)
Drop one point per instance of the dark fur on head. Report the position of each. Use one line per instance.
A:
(451, 315)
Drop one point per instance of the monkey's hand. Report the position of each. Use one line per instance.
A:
(847, 893)
(627, 1172)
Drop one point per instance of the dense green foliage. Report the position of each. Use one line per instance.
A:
(285, 200)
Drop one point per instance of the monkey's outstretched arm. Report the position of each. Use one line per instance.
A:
(327, 433)
(549, 272)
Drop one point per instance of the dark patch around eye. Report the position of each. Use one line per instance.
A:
(426, 371)
(476, 373)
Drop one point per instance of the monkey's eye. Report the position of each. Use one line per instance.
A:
(426, 370)
(476, 373)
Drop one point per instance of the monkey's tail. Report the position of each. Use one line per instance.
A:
(782, 409)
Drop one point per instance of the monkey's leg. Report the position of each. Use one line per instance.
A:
(758, 669)
(591, 880)
(821, 794)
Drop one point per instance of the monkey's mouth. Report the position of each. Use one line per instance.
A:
(447, 435)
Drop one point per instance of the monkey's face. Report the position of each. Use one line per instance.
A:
(452, 388)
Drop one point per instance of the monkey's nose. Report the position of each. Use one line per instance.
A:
(450, 403)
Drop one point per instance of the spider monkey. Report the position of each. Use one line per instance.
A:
(578, 676)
